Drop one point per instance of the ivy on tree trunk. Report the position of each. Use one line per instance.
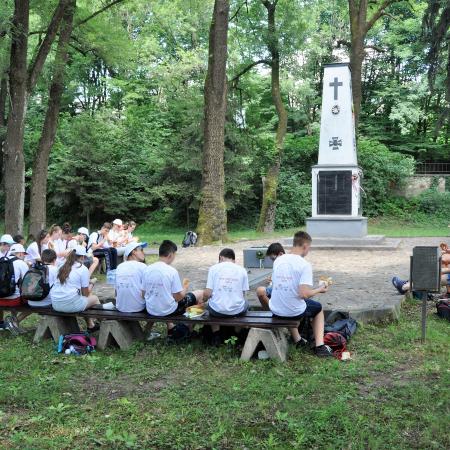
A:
(212, 218)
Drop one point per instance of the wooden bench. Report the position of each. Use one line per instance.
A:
(124, 328)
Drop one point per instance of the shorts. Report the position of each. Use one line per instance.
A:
(448, 278)
(88, 260)
(71, 305)
(188, 300)
(17, 301)
(312, 309)
(214, 313)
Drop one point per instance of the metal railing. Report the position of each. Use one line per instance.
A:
(433, 168)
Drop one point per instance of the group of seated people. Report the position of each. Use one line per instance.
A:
(158, 289)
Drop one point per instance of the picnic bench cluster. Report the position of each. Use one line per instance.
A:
(123, 329)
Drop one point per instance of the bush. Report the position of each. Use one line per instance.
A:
(435, 203)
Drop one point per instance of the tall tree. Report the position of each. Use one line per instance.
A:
(360, 25)
(22, 80)
(212, 219)
(270, 181)
(38, 194)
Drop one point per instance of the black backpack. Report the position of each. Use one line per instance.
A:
(8, 281)
(35, 285)
(190, 238)
(443, 309)
(342, 323)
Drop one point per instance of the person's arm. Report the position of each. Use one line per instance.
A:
(306, 291)
(207, 294)
(84, 279)
(178, 296)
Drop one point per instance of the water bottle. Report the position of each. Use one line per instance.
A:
(111, 277)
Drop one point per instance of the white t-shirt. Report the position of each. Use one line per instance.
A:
(77, 279)
(129, 286)
(60, 246)
(20, 269)
(52, 273)
(160, 282)
(72, 244)
(33, 253)
(96, 238)
(228, 281)
(289, 272)
(115, 236)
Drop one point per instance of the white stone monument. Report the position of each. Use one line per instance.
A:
(336, 179)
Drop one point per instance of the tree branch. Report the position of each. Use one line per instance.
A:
(96, 13)
(44, 49)
(379, 12)
(249, 67)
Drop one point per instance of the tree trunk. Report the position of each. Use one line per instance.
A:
(269, 202)
(38, 194)
(14, 164)
(212, 219)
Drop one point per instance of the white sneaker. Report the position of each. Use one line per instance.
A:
(153, 335)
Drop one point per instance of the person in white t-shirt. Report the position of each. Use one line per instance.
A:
(116, 237)
(130, 279)
(35, 249)
(163, 291)
(101, 248)
(264, 293)
(5, 244)
(17, 253)
(72, 291)
(292, 289)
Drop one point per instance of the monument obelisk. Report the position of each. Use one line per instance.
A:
(336, 191)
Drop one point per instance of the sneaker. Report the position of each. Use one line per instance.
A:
(398, 284)
(93, 280)
(153, 335)
(12, 325)
(302, 343)
(323, 351)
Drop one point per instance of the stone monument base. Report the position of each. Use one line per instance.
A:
(337, 226)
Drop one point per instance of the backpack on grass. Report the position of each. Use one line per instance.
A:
(76, 344)
(336, 342)
(35, 285)
(443, 309)
(342, 323)
(8, 281)
(190, 238)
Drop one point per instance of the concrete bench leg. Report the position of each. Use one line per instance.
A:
(122, 332)
(55, 326)
(274, 342)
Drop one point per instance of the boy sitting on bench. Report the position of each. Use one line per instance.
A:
(292, 291)
(163, 292)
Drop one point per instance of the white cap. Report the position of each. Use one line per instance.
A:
(131, 246)
(83, 230)
(7, 239)
(117, 222)
(80, 250)
(17, 248)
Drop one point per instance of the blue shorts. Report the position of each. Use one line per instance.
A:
(312, 309)
(269, 291)
(448, 278)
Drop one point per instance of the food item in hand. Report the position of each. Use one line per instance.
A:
(325, 281)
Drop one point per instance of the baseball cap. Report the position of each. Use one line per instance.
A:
(80, 250)
(131, 246)
(17, 248)
(117, 222)
(83, 230)
(7, 239)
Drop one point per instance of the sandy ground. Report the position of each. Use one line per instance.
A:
(361, 278)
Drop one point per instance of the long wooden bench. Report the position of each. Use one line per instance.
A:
(124, 328)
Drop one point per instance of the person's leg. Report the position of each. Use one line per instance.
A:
(113, 257)
(22, 316)
(91, 301)
(261, 293)
(318, 324)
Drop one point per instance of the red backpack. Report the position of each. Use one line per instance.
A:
(336, 342)
(77, 343)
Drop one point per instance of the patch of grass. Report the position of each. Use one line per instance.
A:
(391, 395)
(397, 228)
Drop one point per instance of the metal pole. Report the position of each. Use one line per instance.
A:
(424, 315)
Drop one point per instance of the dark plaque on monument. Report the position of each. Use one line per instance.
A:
(334, 192)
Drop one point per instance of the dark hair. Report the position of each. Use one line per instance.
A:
(66, 228)
(17, 238)
(65, 269)
(40, 238)
(227, 253)
(300, 238)
(275, 249)
(167, 247)
(48, 256)
(107, 225)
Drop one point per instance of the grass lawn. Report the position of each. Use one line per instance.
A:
(389, 227)
(394, 394)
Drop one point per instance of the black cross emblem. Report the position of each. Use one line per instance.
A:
(335, 143)
(336, 85)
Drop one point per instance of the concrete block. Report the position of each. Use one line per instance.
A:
(123, 333)
(337, 226)
(274, 342)
(55, 326)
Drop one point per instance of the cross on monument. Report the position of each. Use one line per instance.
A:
(336, 85)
